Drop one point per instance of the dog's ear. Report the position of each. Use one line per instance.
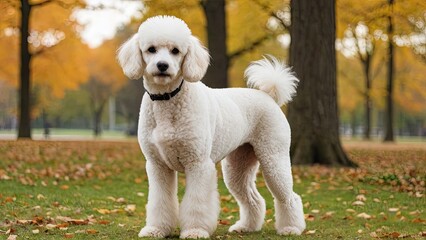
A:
(130, 58)
(196, 61)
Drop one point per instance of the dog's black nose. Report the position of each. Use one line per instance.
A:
(162, 66)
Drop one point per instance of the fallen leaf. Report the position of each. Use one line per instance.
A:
(309, 217)
(12, 237)
(417, 212)
(69, 235)
(104, 222)
(225, 198)
(36, 231)
(350, 210)
(395, 234)
(315, 211)
(418, 220)
(224, 222)
(358, 203)
(103, 211)
(92, 231)
(65, 187)
(361, 197)
(40, 197)
(393, 209)
(364, 215)
(50, 226)
(140, 194)
(310, 232)
(130, 208)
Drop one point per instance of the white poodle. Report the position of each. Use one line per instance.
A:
(184, 126)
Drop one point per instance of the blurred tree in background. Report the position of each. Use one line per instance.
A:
(106, 78)
(382, 26)
(39, 34)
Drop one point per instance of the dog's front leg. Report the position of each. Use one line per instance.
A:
(200, 206)
(162, 208)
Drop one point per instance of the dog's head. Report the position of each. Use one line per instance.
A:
(164, 51)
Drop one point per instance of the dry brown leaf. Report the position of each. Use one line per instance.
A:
(393, 209)
(310, 232)
(395, 234)
(69, 235)
(309, 217)
(130, 208)
(65, 187)
(51, 226)
(364, 215)
(92, 231)
(12, 237)
(361, 197)
(224, 222)
(358, 203)
(103, 211)
(225, 198)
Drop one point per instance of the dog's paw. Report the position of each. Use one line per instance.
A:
(150, 231)
(194, 233)
(289, 231)
(240, 228)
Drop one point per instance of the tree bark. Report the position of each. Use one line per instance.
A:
(313, 113)
(389, 135)
(367, 130)
(24, 130)
(97, 130)
(217, 73)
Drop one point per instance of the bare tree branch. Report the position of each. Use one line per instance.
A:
(40, 3)
(272, 13)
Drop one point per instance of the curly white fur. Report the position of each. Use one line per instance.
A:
(273, 77)
(201, 126)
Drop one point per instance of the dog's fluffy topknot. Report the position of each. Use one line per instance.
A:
(164, 28)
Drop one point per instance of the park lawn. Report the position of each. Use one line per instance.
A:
(98, 190)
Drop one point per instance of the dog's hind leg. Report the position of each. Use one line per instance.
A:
(239, 172)
(276, 169)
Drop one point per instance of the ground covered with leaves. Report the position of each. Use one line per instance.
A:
(98, 190)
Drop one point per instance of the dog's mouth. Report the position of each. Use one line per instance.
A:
(162, 75)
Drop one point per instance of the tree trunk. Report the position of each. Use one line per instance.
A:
(97, 130)
(313, 113)
(389, 136)
(25, 84)
(367, 130)
(217, 73)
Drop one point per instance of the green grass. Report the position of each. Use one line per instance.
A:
(97, 184)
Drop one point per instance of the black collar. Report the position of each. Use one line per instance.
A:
(165, 96)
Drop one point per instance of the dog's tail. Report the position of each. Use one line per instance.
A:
(273, 77)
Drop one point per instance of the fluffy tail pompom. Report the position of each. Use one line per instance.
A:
(271, 76)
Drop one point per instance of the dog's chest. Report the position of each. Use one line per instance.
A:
(167, 138)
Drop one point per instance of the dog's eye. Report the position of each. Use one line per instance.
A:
(175, 51)
(152, 50)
